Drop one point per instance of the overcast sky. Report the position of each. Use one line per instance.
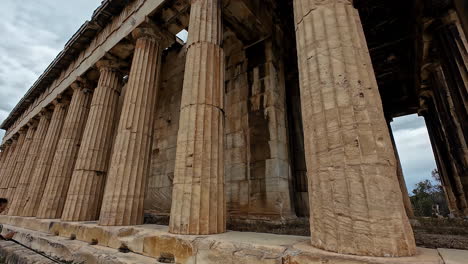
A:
(35, 31)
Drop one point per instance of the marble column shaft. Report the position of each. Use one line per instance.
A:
(44, 160)
(5, 157)
(55, 193)
(126, 181)
(19, 200)
(198, 198)
(21, 160)
(87, 185)
(356, 204)
(10, 167)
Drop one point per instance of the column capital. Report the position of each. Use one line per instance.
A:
(23, 130)
(60, 101)
(82, 84)
(110, 62)
(45, 112)
(32, 123)
(151, 31)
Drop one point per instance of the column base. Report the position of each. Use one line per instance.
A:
(152, 242)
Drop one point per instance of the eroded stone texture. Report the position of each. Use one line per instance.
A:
(159, 192)
(55, 193)
(45, 158)
(198, 204)
(10, 167)
(84, 196)
(15, 177)
(452, 46)
(19, 201)
(447, 141)
(129, 168)
(356, 204)
(5, 155)
(11, 150)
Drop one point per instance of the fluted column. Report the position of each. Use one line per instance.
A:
(87, 185)
(198, 199)
(56, 189)
(10, 167)
(19, 201)
(5, 149)
(126, 182)
(6, 156)
(45, 158)
(356, 205)
(21, 160)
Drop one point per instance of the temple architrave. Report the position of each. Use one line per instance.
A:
(270, 112)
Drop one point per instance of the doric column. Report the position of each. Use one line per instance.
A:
(198, 199)
(19, 201)
(10, 167)
(45, 158)
(7, 149)
(21, 160)
(126, 182)
(87, 185)
(56, 189)
(355, 201)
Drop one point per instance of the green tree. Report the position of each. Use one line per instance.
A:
(426, 194)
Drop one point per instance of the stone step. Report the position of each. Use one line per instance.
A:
(12, 253)
(61, 249)
(75, 241)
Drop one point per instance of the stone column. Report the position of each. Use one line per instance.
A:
(55, 193)
(126, 182)
(355, 201)
(10, 167)
(21, 160)
(5, 156)
(19, 201)
(87, 185)
(198, 199)
(45, 158)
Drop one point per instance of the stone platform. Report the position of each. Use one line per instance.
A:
(75, 242)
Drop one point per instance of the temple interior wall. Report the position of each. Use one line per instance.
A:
(159, 189)
(259, 180)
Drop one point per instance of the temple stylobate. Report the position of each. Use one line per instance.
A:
(270, 112)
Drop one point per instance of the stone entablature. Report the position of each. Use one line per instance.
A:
(131, 16)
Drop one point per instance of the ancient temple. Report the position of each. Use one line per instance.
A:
(269, 112)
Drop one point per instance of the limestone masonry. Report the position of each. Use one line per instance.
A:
(270, 111)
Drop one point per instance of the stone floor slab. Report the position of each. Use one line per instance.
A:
(454, 256)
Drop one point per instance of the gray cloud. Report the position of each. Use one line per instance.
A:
(414, 149)
(33, 33)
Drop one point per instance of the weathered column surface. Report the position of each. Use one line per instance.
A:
(356, 204)
(198, 199)
(126, 182)
(10, 167)
(21, 160)
(87, 185)
(56, 189)
(8, 149)
(44, 160)
(19, 201)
